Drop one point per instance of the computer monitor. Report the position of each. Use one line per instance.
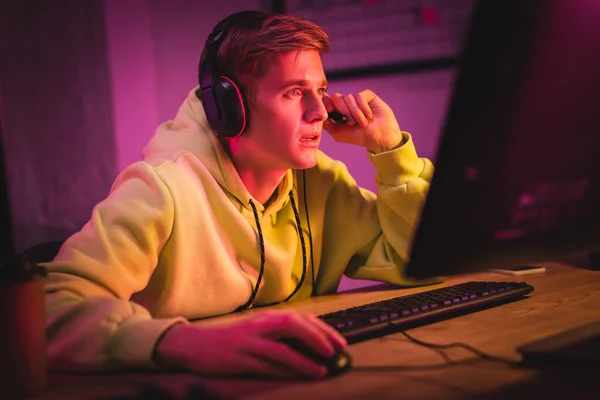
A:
(517, 175)
(6, 231)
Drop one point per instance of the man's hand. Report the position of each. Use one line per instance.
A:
(250, 346)
(371, 122)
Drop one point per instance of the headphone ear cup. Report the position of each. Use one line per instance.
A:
(225, 108)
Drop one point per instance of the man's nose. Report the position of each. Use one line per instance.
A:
(315, 109)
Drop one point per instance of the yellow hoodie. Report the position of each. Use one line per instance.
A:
(176, 240)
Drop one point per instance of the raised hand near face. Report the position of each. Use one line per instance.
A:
(371, 122)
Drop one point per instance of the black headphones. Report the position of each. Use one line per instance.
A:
(222, 98)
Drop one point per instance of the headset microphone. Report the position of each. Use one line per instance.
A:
(337, 117)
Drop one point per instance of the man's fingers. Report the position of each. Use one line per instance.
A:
(340, 105)
(278, 353)
(295, 325)
(355, 109)
(258, 366)
(327, 103)
(363, 99)
(338, 340)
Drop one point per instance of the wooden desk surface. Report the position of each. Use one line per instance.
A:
(565, 297)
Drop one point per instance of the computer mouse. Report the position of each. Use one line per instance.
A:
(336, 364)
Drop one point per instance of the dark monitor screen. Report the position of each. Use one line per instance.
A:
(6, 233)
(517, 175)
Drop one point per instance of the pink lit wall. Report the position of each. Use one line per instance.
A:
(154, 47)
(130, 54)
(153, 50)
(56, 116)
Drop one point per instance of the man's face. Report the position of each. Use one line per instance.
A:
(286, 113)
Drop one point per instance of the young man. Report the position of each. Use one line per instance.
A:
(212, 222)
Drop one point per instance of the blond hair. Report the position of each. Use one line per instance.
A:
(252, 42)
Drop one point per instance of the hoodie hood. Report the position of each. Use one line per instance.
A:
(189, 132)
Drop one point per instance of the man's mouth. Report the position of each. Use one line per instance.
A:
(310, 138)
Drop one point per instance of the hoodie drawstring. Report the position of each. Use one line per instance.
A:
(262, 254)
(304, 263)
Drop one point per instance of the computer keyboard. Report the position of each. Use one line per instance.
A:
(401, 313)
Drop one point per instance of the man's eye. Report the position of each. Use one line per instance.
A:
(295, 92)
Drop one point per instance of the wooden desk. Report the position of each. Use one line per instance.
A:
(565, 297)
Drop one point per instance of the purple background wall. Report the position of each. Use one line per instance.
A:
(56, 114)
(85, 86)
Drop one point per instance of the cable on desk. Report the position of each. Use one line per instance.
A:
(440, 351)
(449, 362)
(465, 346)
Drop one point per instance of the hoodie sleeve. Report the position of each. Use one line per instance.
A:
(91, 325)
(383, 225)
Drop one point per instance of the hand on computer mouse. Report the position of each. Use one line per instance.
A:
(252, 345)
(335, 364)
